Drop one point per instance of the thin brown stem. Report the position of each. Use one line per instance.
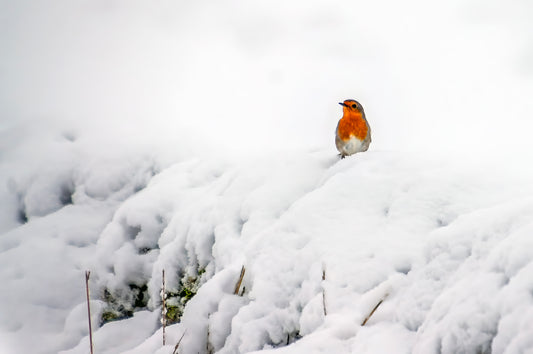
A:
(178, 344)
(324, 292)
(373, 310)
(87, 276)
(238, 285)
(164, 309)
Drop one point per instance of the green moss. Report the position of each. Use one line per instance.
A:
(176, 300)
(201, 271)
(186, 294)
(121, 304)
(108, 316)
(173, 314)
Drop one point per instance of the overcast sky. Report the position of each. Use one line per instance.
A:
(267, 75)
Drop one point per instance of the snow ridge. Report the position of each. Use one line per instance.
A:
(446, 249)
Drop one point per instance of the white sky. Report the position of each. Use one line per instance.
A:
(267, 75)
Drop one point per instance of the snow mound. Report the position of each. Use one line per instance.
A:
(445, 249)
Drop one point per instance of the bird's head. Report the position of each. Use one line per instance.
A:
(351, 106)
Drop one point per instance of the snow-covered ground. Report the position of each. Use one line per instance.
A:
(447, 246)
(198, 138)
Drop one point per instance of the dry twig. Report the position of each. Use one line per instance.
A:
(208, 346)
(164, 309)
(87, 275)
(374, 310)
(178, 344)
(324, 292)
(238, 285)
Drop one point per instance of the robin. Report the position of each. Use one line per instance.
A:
(353, 132)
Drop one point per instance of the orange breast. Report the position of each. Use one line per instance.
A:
(352, 124)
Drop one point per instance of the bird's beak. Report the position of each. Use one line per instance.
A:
(342, 104)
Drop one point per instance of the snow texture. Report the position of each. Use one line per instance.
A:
(447, 249)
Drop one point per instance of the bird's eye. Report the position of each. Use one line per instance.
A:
(354, 105)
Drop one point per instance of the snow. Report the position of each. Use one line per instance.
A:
(445, 248)
(198, 139)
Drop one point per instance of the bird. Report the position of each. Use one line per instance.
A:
(352, 134)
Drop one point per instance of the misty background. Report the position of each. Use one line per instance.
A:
(259, 76)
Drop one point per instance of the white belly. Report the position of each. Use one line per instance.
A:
(353, 146)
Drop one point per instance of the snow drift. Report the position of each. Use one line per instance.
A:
(445, 246)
